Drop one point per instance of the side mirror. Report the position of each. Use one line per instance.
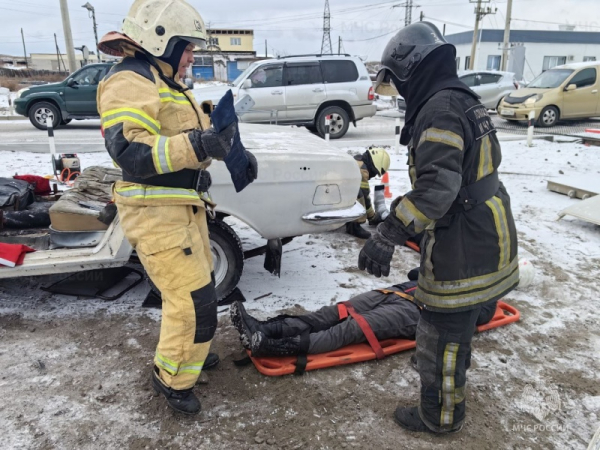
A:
(571, 87)
(71, 82)
(247, 84)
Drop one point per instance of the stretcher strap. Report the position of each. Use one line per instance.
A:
(364, 326)
(404, 295)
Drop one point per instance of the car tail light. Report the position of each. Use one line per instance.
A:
(371, 94)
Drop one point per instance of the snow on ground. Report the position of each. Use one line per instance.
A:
(76, 370)
(5, 96)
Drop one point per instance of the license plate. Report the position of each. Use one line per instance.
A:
(507, 112)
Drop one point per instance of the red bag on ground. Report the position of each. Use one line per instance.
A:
(12, 255)
(40, 184)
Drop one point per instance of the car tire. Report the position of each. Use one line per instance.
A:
(65, 121)
(548, 117)
(38, 113)
(228, 257)
(339, 124)
(312, 129)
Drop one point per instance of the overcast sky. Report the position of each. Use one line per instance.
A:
(291, 27)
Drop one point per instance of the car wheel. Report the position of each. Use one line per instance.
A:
(39, 112)
(312, 129)
(548, 117)
(65, 121)
(340, 122)
(228, 257)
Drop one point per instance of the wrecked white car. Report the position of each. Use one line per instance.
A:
(304, 186)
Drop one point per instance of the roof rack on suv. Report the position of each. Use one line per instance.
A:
(317, 55)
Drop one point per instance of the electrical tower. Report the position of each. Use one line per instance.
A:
(326, 47)
(480, 13)
(408, 15)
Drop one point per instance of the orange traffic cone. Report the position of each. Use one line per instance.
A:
(385, 180)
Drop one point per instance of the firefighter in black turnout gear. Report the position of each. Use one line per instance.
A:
(469, 249)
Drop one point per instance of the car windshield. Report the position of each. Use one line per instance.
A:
(551, 79)
(243, 75)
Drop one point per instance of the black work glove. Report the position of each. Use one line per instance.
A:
(252, 166)
(376, 255)
(210, 144)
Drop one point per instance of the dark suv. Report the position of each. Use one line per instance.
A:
(73, 98)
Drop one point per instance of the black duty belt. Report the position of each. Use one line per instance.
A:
(476, 193)
(198, 180)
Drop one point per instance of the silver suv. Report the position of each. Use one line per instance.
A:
(303, 90)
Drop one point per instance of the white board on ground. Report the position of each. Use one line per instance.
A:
(588, 210)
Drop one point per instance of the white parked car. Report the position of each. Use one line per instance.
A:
(304, 186)
(303, 90)
(491, 86)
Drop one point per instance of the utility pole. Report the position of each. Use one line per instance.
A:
(480, 13)
(91, 9)
(24, 49)
(339, 45)
(266, 49)
(58, 56)
(326, 47)
(506, 36)
(64, 10)
(422, 16)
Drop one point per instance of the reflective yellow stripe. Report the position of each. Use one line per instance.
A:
(136, 116)
(193, 368)
(443, 137)
(448, 390)
(467, 298)
(468, 284)
(486, 163)
(408, 213)
(166, 95)
(365, 185)
(156, 192)
(160, 155)
(495, 204)
(166, 364)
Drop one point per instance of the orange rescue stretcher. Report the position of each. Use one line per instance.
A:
(278, 366)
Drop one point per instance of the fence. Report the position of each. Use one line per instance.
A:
(29, 73)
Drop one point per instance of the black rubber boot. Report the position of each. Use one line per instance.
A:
(356, 230)
(409, 419)
(247, 325)
(184, 401)
(212, 360)
(263, 346)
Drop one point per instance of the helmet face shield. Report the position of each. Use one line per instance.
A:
(384, 85)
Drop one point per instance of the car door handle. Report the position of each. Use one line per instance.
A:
(595, 91)
(276, 92)
(318, 90)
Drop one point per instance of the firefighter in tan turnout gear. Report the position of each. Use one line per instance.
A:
(375, 162)
(156, 132)
(469, 249)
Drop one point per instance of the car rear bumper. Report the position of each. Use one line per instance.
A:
(360, 112)
(336, 216)
(518, 112)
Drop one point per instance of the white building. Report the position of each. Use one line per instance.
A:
(532, 51)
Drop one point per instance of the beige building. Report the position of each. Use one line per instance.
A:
(50, 61)
(229, 52)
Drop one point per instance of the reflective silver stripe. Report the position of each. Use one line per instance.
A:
(486, 163)
(408, 213)
(466, 298)
(499, 212)
(173, 96)
(191, 368)
(449, 287)
(157, 193)
(428, 252)
(173, 370)
(448, 394)
(442, 137)
(160, 150)
(131, 115)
